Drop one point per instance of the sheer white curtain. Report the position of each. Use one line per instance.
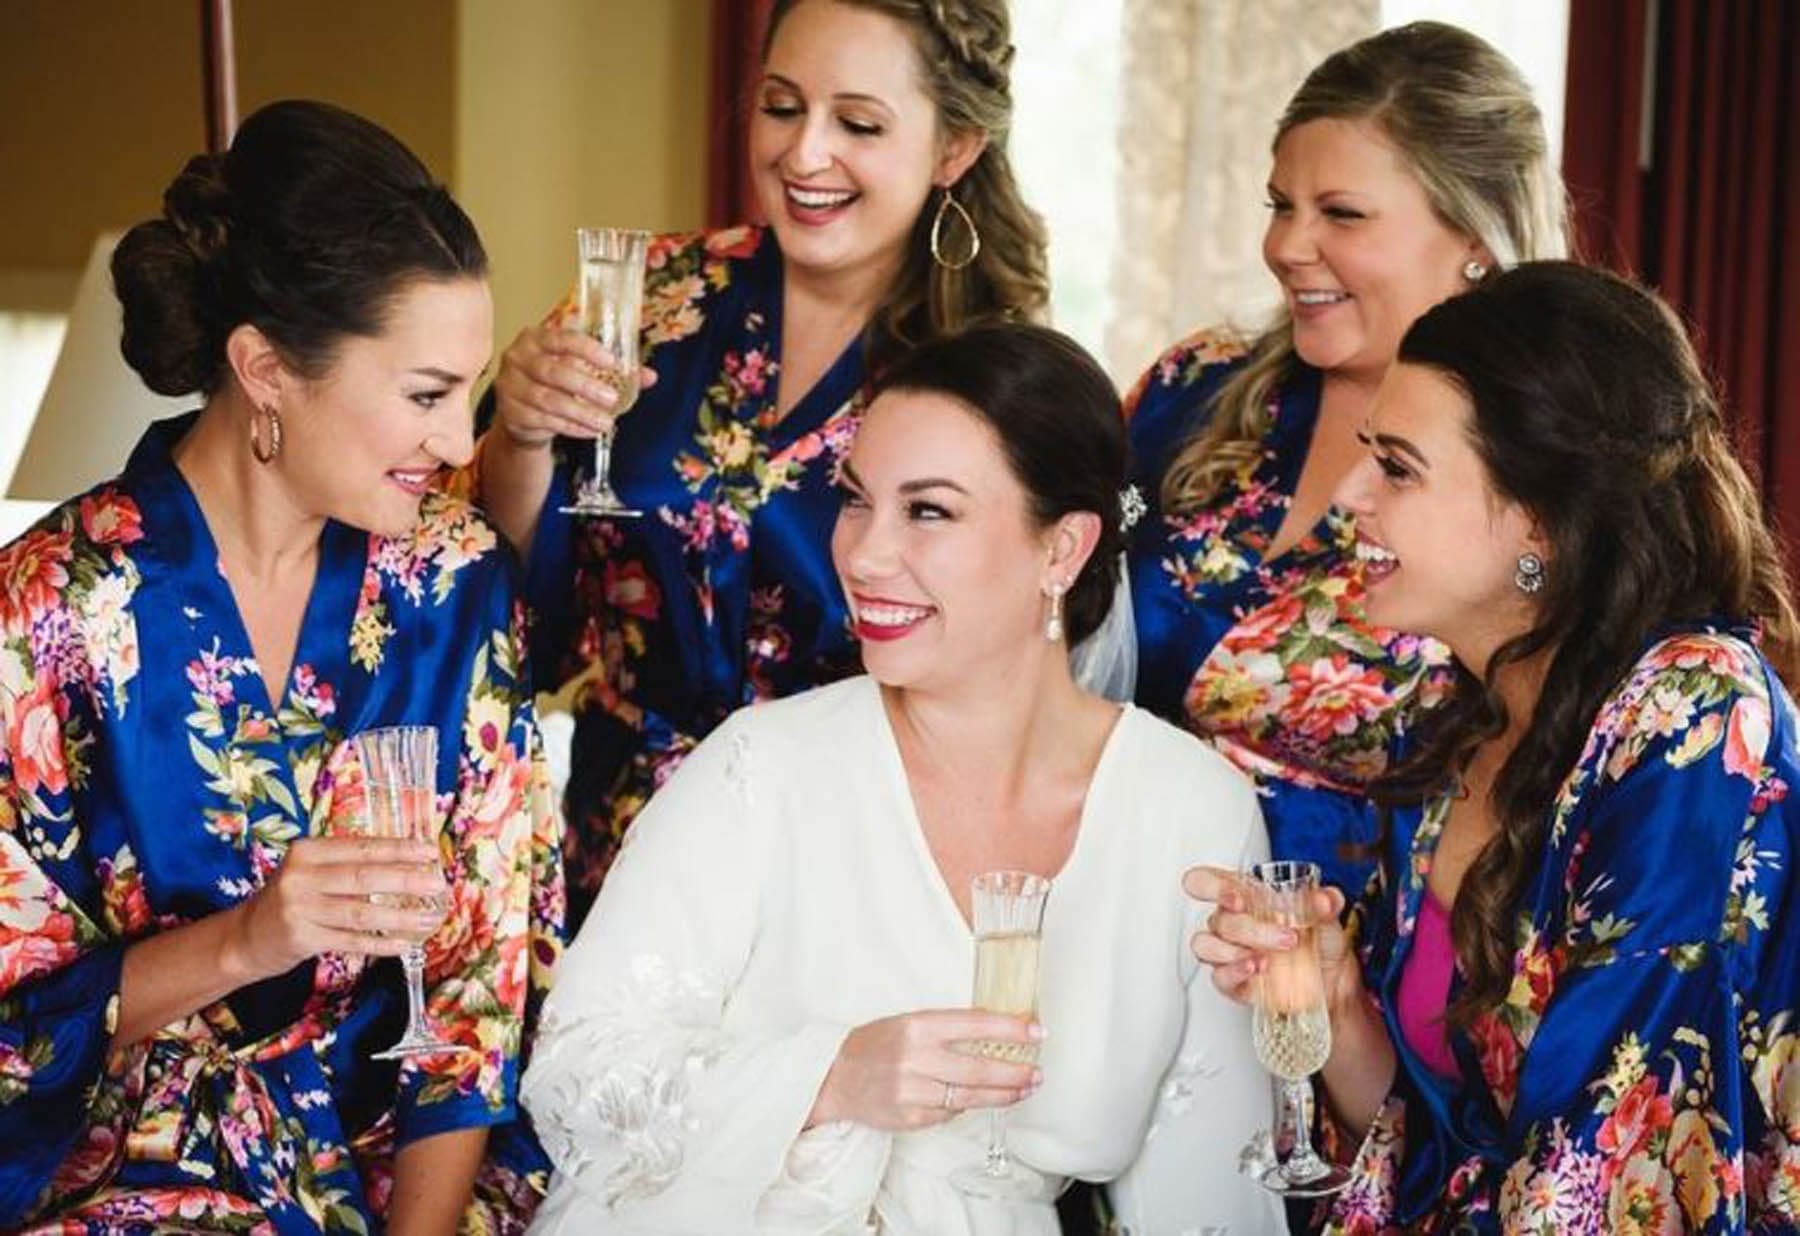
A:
(1203, 82)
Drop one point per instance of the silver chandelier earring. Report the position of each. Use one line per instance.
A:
(1528, 576)
(1053, 625)
(1474, 271)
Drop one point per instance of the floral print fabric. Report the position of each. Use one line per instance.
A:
(1643, 1073)
(724, 593)
(147, 780)
(1270, 660)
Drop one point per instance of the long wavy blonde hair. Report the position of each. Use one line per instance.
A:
(1462, 116)
(965, 54)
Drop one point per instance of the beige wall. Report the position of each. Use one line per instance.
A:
(98, 115)
(573, 112)
(103, 101)
(541, 114)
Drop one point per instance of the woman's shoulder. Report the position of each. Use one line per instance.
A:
(1659, 828)
(1184, 786)
(71, 546)
(796, 731)
(1198, 363)
(1692, 695)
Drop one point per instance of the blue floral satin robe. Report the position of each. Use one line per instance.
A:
(1643, 1074)
(147, 781)
(724, 593)
(1272, 661)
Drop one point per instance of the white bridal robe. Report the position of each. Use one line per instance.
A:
(778, 892)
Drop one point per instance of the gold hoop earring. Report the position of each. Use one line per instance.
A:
(265, 454)
(946, 204)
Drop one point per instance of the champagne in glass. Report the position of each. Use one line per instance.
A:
(400, 791)
(1006, 969)
(609, 297)
(1009, 919)
(1291, 1024)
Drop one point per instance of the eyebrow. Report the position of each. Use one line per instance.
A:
(842, 96)
(439, 375)
(1393, 442)
(906, 487)
(932, 482)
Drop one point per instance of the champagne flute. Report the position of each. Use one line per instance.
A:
(1291, 1025)
(400, 790)
(1009, 920)
(609, 292)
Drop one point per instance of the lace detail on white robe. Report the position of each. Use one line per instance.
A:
(639, 1100)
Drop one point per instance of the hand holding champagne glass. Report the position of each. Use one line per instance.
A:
(1009, 916)
(400, 795)
(1291, 1025)
(609, 293)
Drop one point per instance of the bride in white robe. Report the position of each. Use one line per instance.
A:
(756, 1030)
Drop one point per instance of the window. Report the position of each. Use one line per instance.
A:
(1066, 131)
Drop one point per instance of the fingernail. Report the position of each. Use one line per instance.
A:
(1289, 939)
(1036, 1031)
(1037, 1079)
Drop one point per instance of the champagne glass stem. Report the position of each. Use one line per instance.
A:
(999, 1162)
(1303, 1164)
(603, 457)
(413, 961)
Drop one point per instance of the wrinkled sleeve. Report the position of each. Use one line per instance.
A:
(489, 965)
(646, 1103)
(1215, 1100)
(59, 970)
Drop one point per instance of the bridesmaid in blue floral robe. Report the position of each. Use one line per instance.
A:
(724, 594)
(146, 781)
(1271, 660)
(876, 149)
(1643, 1073)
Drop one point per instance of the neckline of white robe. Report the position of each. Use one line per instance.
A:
(895, 768)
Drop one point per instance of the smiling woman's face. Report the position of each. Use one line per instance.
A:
(361, 443)
(936, 548)
(845, 144)
(1441, 546)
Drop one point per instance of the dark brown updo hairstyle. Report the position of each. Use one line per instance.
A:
(1593, 413)
(1057, 416)
(306, 228)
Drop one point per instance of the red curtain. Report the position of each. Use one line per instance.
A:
(738, 28)
(1682, 155)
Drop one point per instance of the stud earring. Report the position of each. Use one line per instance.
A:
(1053, 625)
(1474, 271)
(1528, 576)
